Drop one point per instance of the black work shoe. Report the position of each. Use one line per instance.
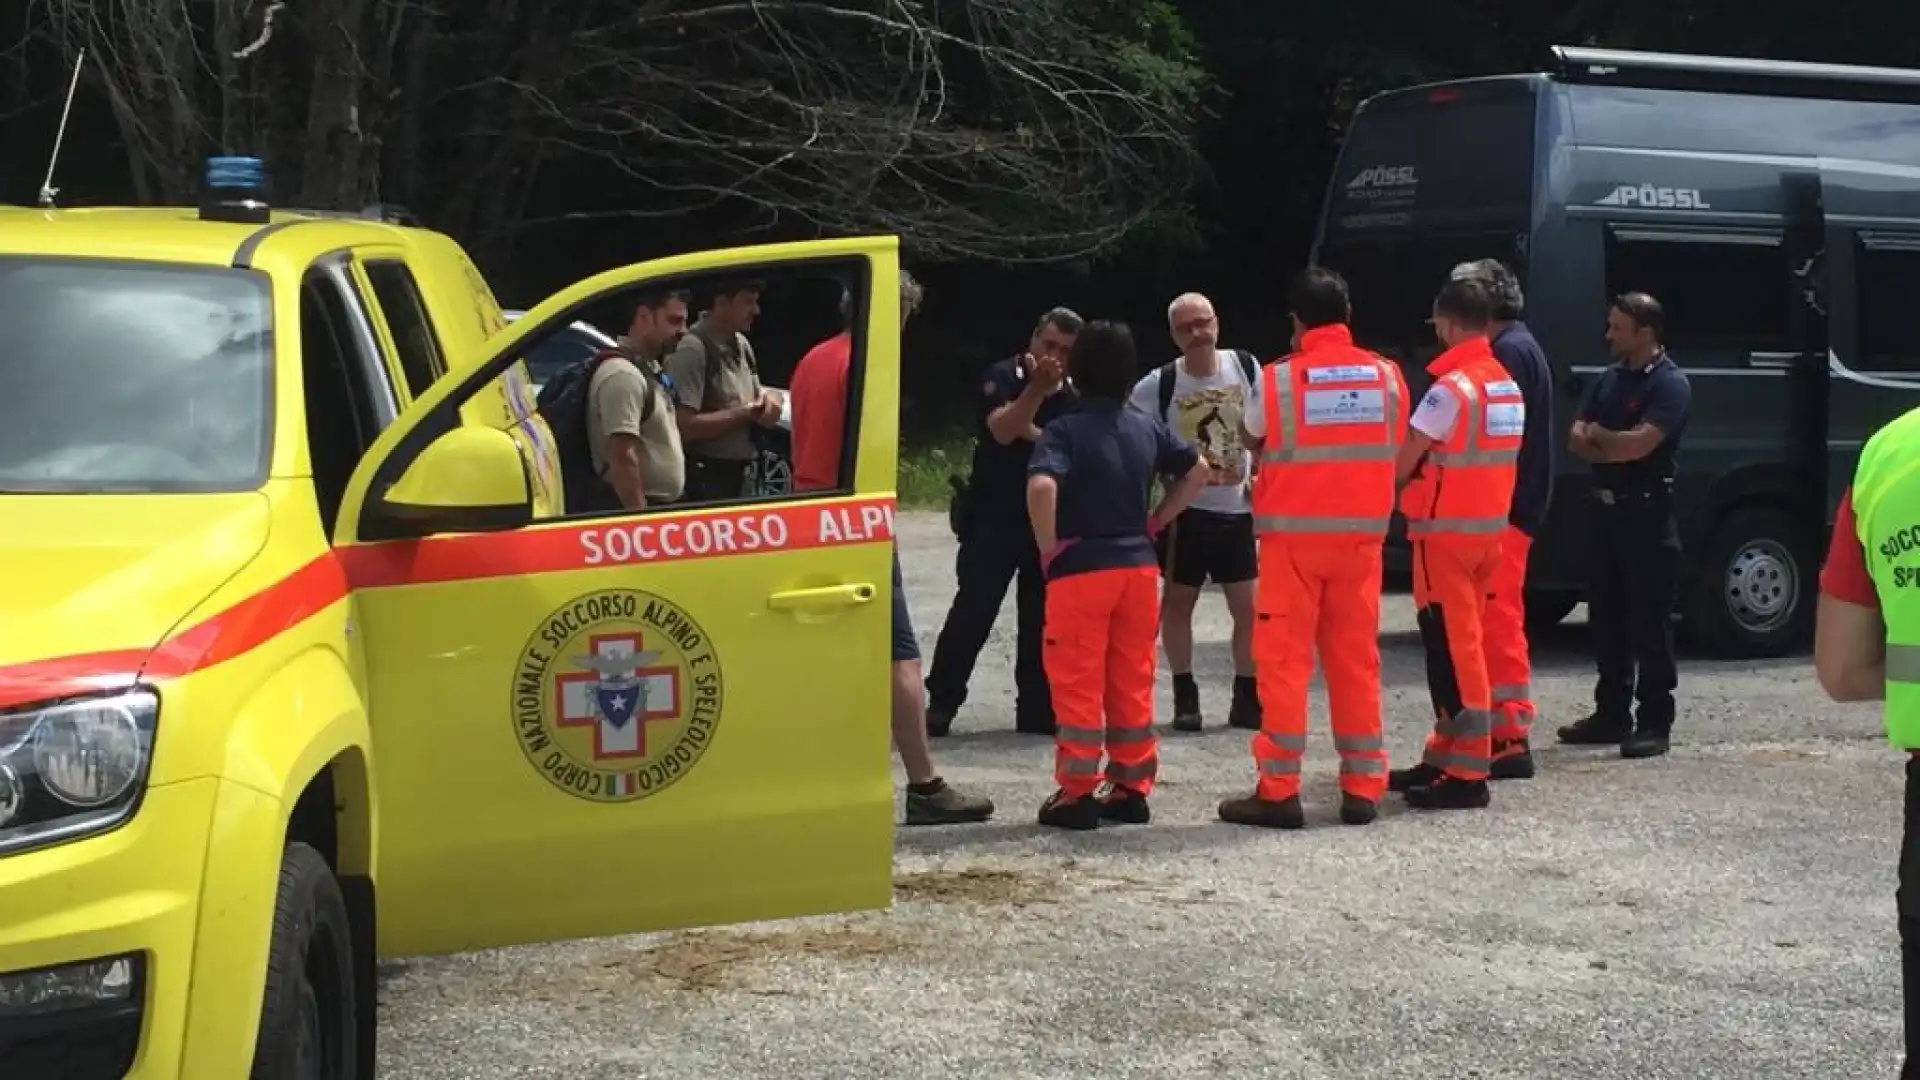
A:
(1186, 704)
(943, 805)
(1355, 810)
(1645, 744)
(1035, 725)
(1418, 776)
(1512, 760)
(1245, 713)
(1264, 813)
(1448, 793)
(939, 722)
(1596, 730)
(1125, 806)
(1062, 811)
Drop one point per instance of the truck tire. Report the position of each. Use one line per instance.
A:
(1548, 608)
(1752, 595)
(307, 1021)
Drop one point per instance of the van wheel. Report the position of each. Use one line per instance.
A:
(1549, 607)
(1753, 595)
(307, 1022)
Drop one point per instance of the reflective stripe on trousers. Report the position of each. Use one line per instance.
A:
(1903, 663)
(1450, 586)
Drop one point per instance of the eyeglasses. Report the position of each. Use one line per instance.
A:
(1200, 322)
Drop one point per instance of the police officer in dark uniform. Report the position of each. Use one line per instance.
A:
(1629, 426)
(1019, 397)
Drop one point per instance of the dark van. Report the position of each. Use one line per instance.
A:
(1773, 208)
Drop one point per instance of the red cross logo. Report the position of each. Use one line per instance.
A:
(622, 692)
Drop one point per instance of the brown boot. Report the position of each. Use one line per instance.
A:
(1264, 813)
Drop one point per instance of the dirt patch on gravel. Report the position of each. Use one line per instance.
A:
(985, 886)
(1782, 755)
(705, 961)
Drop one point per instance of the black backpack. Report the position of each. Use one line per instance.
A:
(563, 405)
(1248, 366)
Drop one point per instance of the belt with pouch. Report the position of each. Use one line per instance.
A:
(1628, 496)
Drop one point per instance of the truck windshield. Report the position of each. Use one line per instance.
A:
(132, 377)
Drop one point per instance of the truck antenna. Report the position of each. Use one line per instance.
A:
(47, 190)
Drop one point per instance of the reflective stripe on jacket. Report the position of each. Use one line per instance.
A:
(1333, 413)
(1886, 514)
(1465, 487)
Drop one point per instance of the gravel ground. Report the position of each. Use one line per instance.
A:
(1726, 911)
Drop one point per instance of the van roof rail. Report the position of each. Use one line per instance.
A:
(1734, 75)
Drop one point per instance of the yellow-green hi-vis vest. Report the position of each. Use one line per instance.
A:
(1886, 510)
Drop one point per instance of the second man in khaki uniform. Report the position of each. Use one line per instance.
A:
(717, 391)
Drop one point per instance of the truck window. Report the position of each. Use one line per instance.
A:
(1725, 292)
(348, 401)
(1887, 270)
(412, 331)
(1392, 281)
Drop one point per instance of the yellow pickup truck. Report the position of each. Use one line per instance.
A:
(304, 663)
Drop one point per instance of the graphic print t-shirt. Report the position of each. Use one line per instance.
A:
(1206, 412)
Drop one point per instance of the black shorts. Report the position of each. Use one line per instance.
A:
(1201, 544)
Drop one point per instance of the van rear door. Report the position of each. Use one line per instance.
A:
(1429, 177)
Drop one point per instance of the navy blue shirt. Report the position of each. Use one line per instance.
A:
(1621, 399)
(1104, 456)
(1526, 364)
(999, 484)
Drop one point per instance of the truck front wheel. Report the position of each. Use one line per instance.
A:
(307, 1021)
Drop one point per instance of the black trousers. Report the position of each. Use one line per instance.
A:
(1635, 549)
(991, 556)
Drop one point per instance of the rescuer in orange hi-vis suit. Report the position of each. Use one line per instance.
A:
(1087, 498)
(1327, 432)
(1458, 466)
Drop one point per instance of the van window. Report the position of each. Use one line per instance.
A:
(1392, 282)
(1887, 270)
(133, 377)
(1725, 293)
(407, 320)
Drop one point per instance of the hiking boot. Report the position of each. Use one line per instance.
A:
(1186, 704)
(1062, 811)
(1125, 806)
(1596, 730)
(939, 804)
(1245, 713)
(939, 722)
(1417, 776)
(1264, 813)
(1512, 760)
(1645, 744)
(1355, 810)
(1450, 793)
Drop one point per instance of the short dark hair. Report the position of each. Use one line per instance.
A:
(1645, 311)
(736, 286)
(1466, 301)
(1502, 283)
(1063, 319)
(1318, 296)
(655, 299)
(1104, 362)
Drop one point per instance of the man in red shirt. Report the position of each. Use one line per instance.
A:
(817, 393)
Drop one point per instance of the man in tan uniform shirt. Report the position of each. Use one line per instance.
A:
(631, 427)
(718, 393)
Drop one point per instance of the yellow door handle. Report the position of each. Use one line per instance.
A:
(830, 596)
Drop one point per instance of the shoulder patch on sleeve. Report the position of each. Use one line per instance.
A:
(1434, 398)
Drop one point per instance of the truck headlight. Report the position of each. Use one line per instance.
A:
(75, 767)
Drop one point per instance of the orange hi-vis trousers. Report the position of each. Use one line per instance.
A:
(1509, 667)
(1452, 576)
(1324, 594)
(1101, 630)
